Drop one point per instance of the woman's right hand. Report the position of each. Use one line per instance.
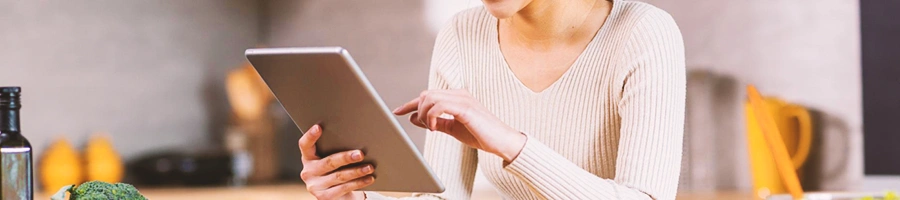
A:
(321, 175)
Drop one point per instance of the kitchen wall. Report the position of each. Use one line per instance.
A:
(806, 52)
(149, 73)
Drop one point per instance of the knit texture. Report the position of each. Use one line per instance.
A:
(610, 128)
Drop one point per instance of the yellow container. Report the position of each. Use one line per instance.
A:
(795, 125)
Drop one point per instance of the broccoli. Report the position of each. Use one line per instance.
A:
(98, 190)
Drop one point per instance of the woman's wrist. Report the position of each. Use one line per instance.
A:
(511, 150)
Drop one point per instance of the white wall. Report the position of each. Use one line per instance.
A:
(439, 12)
(148, 72)
(805, 52)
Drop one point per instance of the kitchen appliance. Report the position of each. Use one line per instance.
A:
(772, 125)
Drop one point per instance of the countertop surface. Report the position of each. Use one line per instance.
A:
(299, 192)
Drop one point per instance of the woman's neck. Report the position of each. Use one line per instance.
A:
(551, 21)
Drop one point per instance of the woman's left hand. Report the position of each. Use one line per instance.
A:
(472, 124)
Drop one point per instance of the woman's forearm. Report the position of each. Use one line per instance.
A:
(553, 176)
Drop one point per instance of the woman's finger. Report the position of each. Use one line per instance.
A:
(429, 99)
(413, 104)
(434, 113)
(448, 126)
(335, 161)
(439, 98)
(348, 187)
(307, 143)
(346, 175)
(443, 125)
(452, 108)
(414, 119)
(408, 107)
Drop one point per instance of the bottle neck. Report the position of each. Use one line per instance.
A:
(9, 121)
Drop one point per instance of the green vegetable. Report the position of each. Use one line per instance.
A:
(98, 190)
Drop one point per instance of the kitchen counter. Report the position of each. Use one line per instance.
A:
(299, 192)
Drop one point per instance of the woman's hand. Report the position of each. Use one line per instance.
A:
(472, 124)
(321, 176)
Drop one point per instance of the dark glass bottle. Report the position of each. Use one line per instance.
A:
(17, 177)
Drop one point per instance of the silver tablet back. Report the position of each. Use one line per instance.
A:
(324, 85)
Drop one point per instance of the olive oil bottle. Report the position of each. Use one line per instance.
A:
(15, 151)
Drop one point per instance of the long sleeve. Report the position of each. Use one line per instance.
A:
(651, 113)
(453, 162)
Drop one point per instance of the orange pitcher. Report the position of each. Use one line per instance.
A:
(795, 125)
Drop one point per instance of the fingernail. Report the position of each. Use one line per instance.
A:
(396, 109)
(368, 180)
(367, 169)
(315, 128)
(356, 155)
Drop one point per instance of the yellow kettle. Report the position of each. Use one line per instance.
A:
(794, 124)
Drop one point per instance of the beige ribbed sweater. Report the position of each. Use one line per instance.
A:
(610, 128)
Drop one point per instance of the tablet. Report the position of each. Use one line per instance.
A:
(324, 85)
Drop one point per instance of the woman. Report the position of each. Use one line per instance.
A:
(553, 99)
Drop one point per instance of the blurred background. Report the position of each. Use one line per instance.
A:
(152, 79)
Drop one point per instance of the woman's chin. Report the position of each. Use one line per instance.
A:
(502, 9)
(501, 13)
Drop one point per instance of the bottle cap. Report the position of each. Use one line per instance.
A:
(9, 97)
(10, 90)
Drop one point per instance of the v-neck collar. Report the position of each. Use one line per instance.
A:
(578, 61)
